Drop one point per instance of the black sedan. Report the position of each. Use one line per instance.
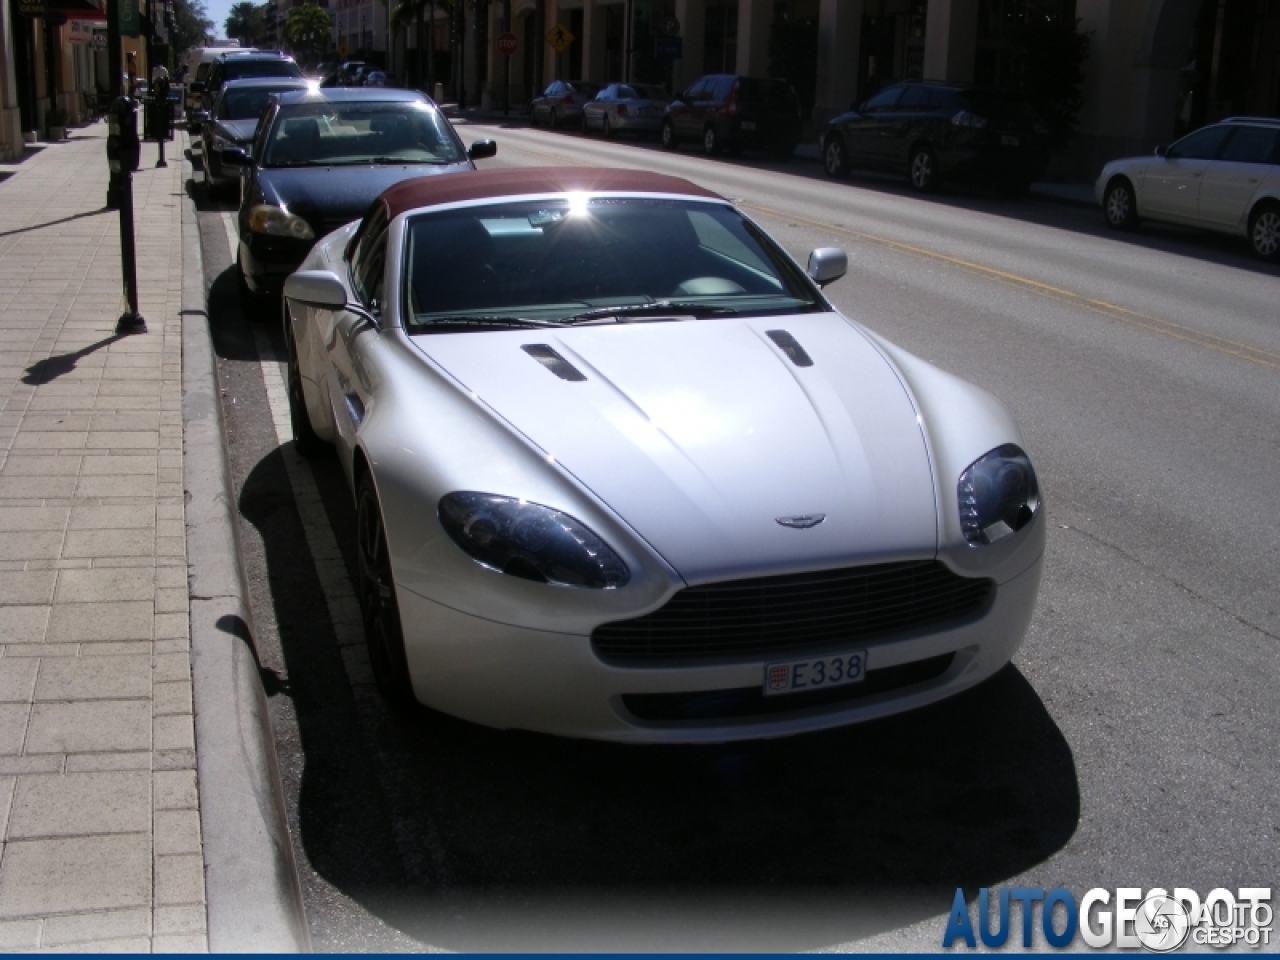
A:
(320, 157)
(931, 131)
(231, 122)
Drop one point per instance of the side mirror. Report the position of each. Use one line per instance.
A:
(316, 288)
(827, 264)
(1162, 151)
(483, 149)
(234, 157)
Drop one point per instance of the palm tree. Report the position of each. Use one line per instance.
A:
(245, 23)
(308, 27)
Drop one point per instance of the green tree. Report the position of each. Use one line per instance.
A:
(192, 28)
(245, 22)
(308, 28)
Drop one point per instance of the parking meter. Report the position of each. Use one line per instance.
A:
(162, 117)
(124, 151)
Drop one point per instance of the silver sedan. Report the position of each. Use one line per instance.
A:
(626, 108)
(621, 470)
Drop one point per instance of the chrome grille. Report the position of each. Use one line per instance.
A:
(781, 615)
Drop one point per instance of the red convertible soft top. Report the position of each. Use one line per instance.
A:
(514, 181)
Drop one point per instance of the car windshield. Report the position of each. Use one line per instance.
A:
(239, 68)
(641, 92)
(607, 259)
(326, 133)
(246, 104)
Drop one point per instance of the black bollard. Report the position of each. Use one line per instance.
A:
(123, 154)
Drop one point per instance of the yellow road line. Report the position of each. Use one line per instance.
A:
(1168, 328)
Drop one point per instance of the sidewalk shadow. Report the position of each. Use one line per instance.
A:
(51, 368)
(54, 223)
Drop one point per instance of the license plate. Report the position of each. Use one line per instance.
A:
(748, 124)
(817, 673)
(1009, 141)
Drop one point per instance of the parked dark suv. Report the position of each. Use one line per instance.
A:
(242, 66)
(726, 112)
(931, 130)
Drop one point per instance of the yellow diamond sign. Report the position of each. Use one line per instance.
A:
(559, 38)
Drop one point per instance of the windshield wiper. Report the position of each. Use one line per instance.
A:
(382, 161)
(484, 320)
(662, 308)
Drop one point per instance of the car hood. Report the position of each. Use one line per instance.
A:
(328, 197)
(241, 131)
(703, 435)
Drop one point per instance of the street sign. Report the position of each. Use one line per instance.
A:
(343, 51)
(129, 20)
(507, 44)
(32, 8)
(559, 38)
(670, 27)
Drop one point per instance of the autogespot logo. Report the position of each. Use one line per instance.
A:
(1156, 920)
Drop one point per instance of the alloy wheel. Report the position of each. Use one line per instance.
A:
(922, 172)
(1265, 234)
(833, 158)
(1119, 205)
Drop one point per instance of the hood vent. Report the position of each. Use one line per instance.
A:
(790, 346)
(557, 364)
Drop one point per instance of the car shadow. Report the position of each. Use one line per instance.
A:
(1209, 246)
(472, 839)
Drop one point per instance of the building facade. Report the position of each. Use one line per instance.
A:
(1154, 68)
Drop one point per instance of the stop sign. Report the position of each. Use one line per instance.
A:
(507, 44)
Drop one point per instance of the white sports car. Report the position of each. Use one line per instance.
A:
(621, 471)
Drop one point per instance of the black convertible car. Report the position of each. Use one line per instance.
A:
(319, 158)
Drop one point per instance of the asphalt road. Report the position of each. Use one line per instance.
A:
(1132, 742)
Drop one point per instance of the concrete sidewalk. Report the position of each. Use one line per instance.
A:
(100, 810)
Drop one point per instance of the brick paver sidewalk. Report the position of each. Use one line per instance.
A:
(98, 801)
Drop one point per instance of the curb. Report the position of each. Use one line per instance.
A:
(252, 890)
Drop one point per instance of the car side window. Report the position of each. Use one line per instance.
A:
(882, 101)
(1201, 145)
(723, 89)
(369, 259)
(1252, 145)
(914, 98)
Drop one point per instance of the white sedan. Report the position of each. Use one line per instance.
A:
(621, 471)
(1223, 177)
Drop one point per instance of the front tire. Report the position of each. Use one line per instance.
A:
(1264, 232)
(305, 440)
(923, 169)
(835, 161)
(378, 607)
(668, 136)
(1120, 205)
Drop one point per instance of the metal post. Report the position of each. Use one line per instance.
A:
(131, 320)
(506, 60)
(115, 65)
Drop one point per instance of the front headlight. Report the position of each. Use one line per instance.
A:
(998, 495)
(530, 541)
(277, 222)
